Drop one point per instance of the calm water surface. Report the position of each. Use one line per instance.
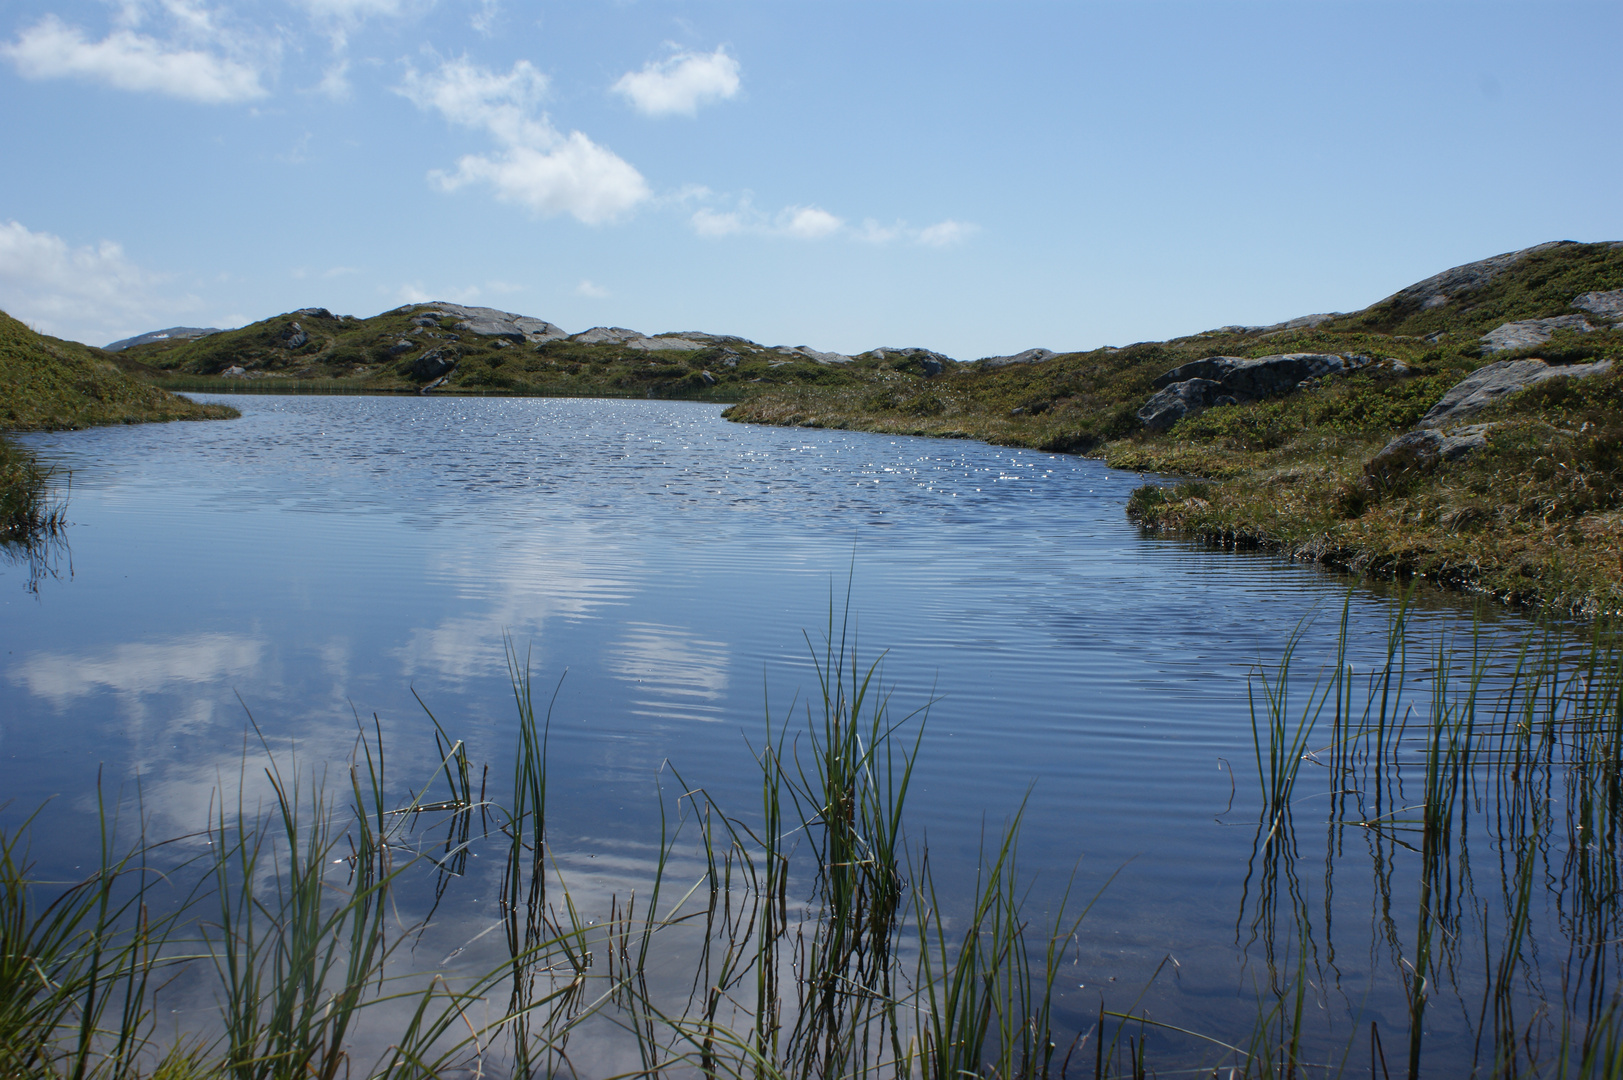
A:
(323, 558)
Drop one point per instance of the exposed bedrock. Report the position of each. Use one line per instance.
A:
(1489, 383)
(1526, 332)
(1228, 380)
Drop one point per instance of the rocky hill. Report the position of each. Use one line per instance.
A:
(452, 348)
(1467, 428)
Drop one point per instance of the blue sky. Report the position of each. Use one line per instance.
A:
(977, 178)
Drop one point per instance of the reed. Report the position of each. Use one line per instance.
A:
(809, 932)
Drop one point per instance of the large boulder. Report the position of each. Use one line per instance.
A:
(1489, 383)
(1226, 380)
(496, 328)
(1264, 376)
(1183, 399)
(490, 322)
(431, 365)
(1525, 332)
(1608, 305)
(607, 335)
(806, 352)
(293, 337)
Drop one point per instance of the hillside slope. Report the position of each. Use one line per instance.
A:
(1521, 498)
(47, 384)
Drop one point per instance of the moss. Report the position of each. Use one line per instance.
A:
(49, 384)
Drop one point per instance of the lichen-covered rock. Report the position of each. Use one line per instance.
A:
(402, 347)
(1489, 383)
(293, 337)
(1608, 305)
(808, 353)
(606, 335)
(1525, 332)
(496, 328)
(1182, 399)
(1226, 380)
(1265, 375)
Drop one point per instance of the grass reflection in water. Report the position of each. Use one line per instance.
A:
(807, 937)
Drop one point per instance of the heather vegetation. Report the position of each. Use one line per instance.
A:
(402, 351)
(1537, 517)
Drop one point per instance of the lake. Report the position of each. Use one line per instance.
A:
(669, 575)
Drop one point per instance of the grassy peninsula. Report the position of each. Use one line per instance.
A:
(47, 384)
(1534, 516)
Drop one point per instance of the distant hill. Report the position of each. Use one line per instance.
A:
(48, 384)
(452, 348)
(174, 333)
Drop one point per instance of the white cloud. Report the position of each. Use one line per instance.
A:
(90, 293)
(484, 19)
(591, 291)
(681, 83)
(808, 222)
(707, 222)
(126, 60)
(352, 11)
(335, 81)
(945, 233)
(794, 222)
(414, 293)
(538, 167)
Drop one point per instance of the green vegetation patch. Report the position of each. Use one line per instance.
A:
(52, 385)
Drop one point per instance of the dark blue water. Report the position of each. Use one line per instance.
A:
(321, 559)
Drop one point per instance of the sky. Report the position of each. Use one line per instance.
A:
(975, 178)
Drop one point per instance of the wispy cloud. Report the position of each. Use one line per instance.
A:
(89, 293)
(591, 290)
(721, 217)
(945, 233)
(537, 167)
(794, 222)
(126, 60)
(679, 84)
(414, 293)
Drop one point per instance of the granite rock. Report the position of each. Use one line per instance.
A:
(1608, 305)
(432, 365)
(1519, 335)
(1489, 383)
(1439, 289)
(1181, 399)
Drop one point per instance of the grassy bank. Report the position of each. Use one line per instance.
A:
(806, 937)
(1535, 518)
(47, 385)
